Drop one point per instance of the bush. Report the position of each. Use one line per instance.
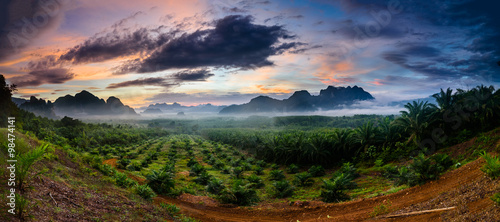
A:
(171, 208)
(382, 208)
(292, 169)
(161, 182)
(215, 186)
(134, 166)
(282, 189)
(276, 175)
(334, 190)
(274, 166)
(303, 179)
(496, 198)
(202, 178)
(443, 161)
(196, 169)
(122, 163)
(191, 162)
(405, 176)
(255, 181)
(218, 165)
(239, 194)
(145, 191)
(492, 166)
(107, 170)
(26, 160)
(259, 170)
(237, 172)
(123, 181)
(261, 163)
(316, 171)
(226, 170)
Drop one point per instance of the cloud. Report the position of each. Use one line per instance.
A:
(22, 21)
(193, 75)
(156, 81)
(234, 42)
(39, 77)
(115, 44)
(175, 79)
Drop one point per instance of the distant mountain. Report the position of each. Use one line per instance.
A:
(85, 103)
(176, 107)
(152, 111)
(39, 107)
(18, 101)
(302, 101)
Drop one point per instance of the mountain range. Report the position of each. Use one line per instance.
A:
(83, 103)
(302, 101)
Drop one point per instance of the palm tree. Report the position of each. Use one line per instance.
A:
(445, 100)
(417, 119)
(366, 135)
(388, 131)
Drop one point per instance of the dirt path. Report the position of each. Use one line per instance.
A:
(357, 210)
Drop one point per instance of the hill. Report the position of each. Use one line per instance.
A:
(302, 101)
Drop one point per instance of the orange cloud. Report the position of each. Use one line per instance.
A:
(377, 82)
(264, 89)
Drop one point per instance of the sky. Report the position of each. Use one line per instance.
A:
(227, 52)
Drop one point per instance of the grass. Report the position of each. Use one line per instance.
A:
(381, 209)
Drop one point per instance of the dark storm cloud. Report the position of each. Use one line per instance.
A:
(234, 42)
(39, 77)
(21, 21)
(158, 81)
(193, 75)
(175, 79)
(115, 44)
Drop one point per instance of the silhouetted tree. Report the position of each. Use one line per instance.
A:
(7, 107)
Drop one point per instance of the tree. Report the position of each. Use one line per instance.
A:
(417, 119)
(7, 107)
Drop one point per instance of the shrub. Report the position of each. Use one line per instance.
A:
(107, 170)
(276, 175)
(316, 171)
(123, 163)
(196, 169)
(239, 194)
(161, 182)
(255, 181)
(496, 198)
(381, 209)
(25, 161)
(261, 163)
(406, 176)
(171, 208)
(145, 191)
(237, 172)
(191, 162)
(292, 169)
(303, 179)
(274, 166)
(492, 166)
(282, 189)
(218, 165)
(246, 166)
(123, 181)
(443, 161)
(334, 189)
(215, 186)
(226, 170)
(202, 178)
(259, 170)
(134, 166)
